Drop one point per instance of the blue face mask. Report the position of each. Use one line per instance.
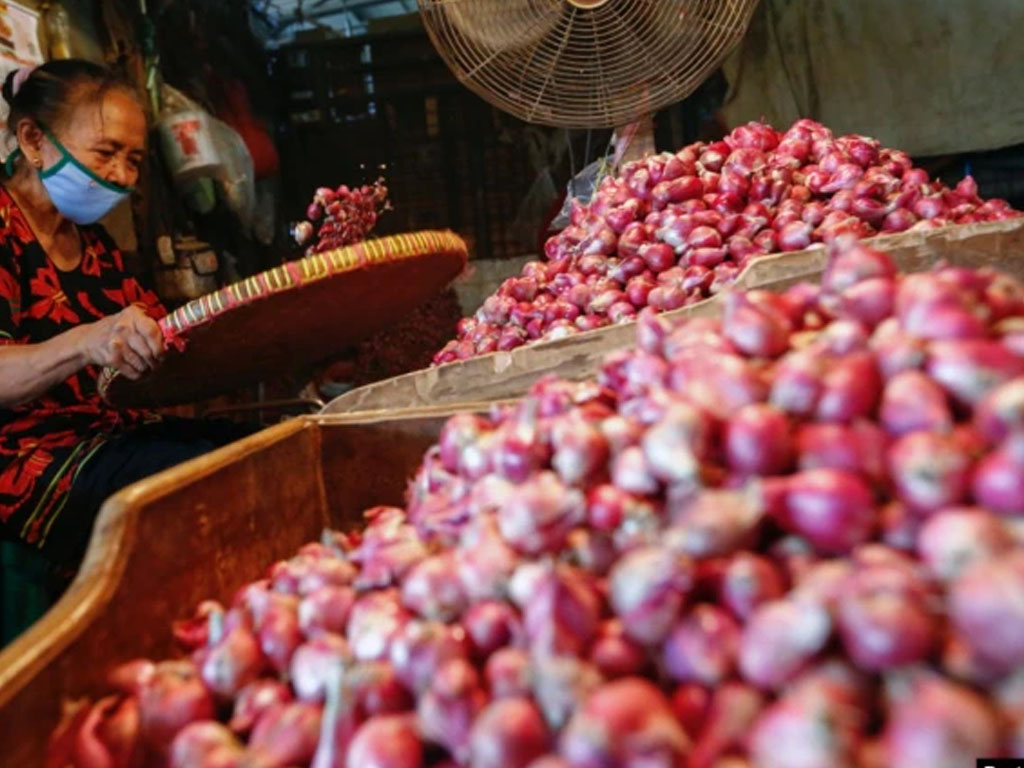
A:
(76, 191)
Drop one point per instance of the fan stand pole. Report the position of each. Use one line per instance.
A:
(634, 141)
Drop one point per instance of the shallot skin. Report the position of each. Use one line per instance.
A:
(340, 217)
(628, 247)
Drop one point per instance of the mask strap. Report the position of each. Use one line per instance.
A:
(67, 157)
(9, 162)
(53, 139)
(11, 158)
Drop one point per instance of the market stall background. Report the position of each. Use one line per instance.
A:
(346, 91)
(349, 90)
(943, 80)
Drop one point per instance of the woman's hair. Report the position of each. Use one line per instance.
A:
(52, 91)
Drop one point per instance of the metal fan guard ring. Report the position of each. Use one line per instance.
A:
(584, 63)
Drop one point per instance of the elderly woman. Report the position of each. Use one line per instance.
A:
(68, 308)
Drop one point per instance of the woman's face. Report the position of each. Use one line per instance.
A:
(107, 136)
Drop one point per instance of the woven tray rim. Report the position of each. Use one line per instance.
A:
(294, 275)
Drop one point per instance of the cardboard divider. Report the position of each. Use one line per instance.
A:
(504, 375)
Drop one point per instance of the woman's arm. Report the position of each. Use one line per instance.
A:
(130, 341)
(29, 370)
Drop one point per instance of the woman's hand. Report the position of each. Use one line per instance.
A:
(129, 341)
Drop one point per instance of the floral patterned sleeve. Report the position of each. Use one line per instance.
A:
(120, 285)
(10, 301)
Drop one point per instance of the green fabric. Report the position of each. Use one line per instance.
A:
(920, 75)
(201, 196)
(9, 163)
(29, 586)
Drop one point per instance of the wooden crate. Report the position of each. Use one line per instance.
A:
(507, 375)
(198, 531)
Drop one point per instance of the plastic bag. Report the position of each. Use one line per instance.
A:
(198, 146)
(236, 177)
(581, 188)
(264, 220)
(186, 139)
(631, 141)
(535, 208)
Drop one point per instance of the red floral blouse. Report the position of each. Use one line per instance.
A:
(45, 443)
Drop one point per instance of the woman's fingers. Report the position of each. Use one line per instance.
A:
(149, 329)
(129, 341)
(139, 339)
(141, 346)
(126, 359)
(127, 371)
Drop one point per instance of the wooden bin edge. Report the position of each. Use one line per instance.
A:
(109, 545)
(106, 557)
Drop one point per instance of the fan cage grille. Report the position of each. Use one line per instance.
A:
(553, 63)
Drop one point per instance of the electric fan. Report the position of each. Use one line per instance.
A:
(584, 63)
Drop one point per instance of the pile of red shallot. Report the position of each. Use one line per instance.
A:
(791, 537)
(340, 217)
(674, 229)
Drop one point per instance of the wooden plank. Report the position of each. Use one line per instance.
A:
(507, 375)
(998, 244)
